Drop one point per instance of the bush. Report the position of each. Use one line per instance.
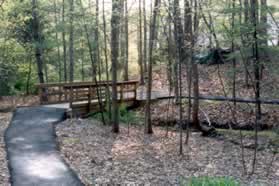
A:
(210, 181)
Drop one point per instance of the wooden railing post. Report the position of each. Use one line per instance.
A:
(135, 90)
(60, 94)
(89, 98)
(121, 92)
(71, 96)
(40, 94)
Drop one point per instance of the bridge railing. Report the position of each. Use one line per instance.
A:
(55, 93)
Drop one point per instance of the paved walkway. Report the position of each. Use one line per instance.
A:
(33, 154)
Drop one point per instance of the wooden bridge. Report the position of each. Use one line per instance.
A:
(84, 97)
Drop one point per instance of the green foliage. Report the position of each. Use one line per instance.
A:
(125, 116)
(210, 181)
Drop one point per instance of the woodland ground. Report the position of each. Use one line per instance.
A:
(98, 155)
(4, 172)
(218, 113)
(101, 157)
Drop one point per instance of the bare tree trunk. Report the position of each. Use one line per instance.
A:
(148, 123)
(97, 42)
(82, 60)
(71, 41)
(144, 36)
(29, 75)
(140, 59)
(126, 60)
(57, 40)
(106, 60)
(195, 114)
(233, 50)
(254, 17)
(122, 42)
(189, 35)
(180, 45)
(264, 34)
(178, 33)
(264, 23)
(64, 43)
(37, 38)
(46, 71)
(115, 24)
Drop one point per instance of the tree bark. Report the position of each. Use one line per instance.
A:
(64, 43)
(144, 36)
(71, 41)
(254, 18)
(148, 124)
(115, 24)
(37, 39)
(58, 48)
(140, 59)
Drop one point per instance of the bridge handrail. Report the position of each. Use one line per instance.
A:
(79, 91)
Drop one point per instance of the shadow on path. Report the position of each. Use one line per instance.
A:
(33, 154)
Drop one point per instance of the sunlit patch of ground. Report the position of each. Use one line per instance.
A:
(100, 157)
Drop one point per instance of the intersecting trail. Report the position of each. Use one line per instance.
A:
(33, 154)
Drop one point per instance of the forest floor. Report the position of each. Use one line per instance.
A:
(101, 157)
(218, 113)
(4, 172)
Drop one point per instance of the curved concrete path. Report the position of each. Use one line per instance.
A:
(33, 154)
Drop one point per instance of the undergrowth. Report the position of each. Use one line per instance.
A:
(210, 181)
(125, 116)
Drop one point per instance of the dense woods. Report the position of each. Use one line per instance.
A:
(187, 55)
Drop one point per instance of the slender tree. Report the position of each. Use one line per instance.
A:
(115, 29)
(64, 42)
(256, 62)
(148, 122)
(140, 57)
(144, 36)
(71, 41)
(56, 37)
(37, 40)
(126, 61)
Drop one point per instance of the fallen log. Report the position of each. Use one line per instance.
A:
(229, 99)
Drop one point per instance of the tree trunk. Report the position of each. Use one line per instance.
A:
(38, 41)
(71, 41)
(96, 37)
(195, 113)
(64, 43)
(179, 39)
(189, 34)
(29, 75)
(148, 124)
(254, 18)
(126, 61)
(106, 60)
(144, 36)
(115, 29)
(57, 40)
(233, 51)
(141, 65)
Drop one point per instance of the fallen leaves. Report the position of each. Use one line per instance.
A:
(4, 172)
(101, 157)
